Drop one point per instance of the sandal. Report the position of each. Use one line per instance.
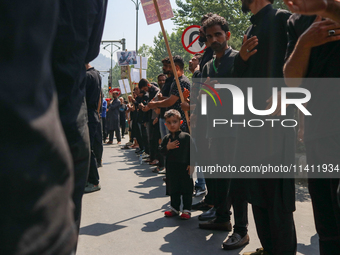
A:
(155, 162)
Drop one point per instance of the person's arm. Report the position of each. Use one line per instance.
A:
(325, 8)
(99, 104)
(241, 59)
(301, 130)
(316, 35)
(170, 101)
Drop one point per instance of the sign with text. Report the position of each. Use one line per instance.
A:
(150, 11)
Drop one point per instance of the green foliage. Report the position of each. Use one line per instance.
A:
(159, 52)
(190, 12)
(115, 76)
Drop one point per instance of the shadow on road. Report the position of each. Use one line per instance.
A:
(98, 229)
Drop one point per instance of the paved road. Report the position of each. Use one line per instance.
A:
(126, 216)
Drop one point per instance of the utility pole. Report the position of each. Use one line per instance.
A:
(137, 3)
(111, 43)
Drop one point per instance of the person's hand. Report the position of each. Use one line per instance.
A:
(172, 145)
(145, 108)
(190, 170)
(210, 83)
(186, 93)
(247, 49)
(277, 111)
(193, 120)
(155, 121)
(307, 7)
(152, 104)
(185, 106)
(318, 33)
(300, 135)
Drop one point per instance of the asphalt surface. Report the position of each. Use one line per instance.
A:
(126, 216)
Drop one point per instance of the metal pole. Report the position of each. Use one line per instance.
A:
(111, 64)
(137, 8)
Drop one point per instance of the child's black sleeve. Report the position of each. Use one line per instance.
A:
(162, 147)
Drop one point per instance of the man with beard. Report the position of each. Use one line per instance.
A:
(222, 142)
(174, 101)
(273, 200)
(165, 93)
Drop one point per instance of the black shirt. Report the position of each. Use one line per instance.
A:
(166, 92)
(184, 83)
(223, 70)
(270, 27)
(323, 63)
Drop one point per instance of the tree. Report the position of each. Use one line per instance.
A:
(190, 12)
(159, 52)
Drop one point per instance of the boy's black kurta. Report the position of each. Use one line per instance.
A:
(177, 161)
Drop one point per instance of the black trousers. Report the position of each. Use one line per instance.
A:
(98, 144)
(324, 193)
(93, 172)
(155, 136)
(276, 231)
(111, 132)
(122, 127)
(104, 128)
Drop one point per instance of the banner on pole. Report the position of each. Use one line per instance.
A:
(144, 63)
(150, 11)
(124, 86)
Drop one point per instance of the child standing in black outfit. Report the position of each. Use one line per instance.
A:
(176, 147)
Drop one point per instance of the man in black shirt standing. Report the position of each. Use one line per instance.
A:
(93, 97)
(222, 142)
(174, 101)
(313, 52)
(273, 200)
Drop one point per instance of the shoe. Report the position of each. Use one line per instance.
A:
(208, 215)
(170, 213)
(186, 215)
(125, 147)
(199, 192)
(119, 142)
(259, 251)
(200, 206)
(129, 144)
(154, 163)
(162, 170)
(140, 152)
(213, 225)
(147, 160)
(144, 155)
(109, 142)
(155, 170)
(164, 179)
(235, 241)
(91, 188)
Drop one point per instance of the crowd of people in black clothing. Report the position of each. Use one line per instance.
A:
(60, 121)
(276, 45)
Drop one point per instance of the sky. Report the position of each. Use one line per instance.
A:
(121, 23)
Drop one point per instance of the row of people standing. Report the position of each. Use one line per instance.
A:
(263, 55)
